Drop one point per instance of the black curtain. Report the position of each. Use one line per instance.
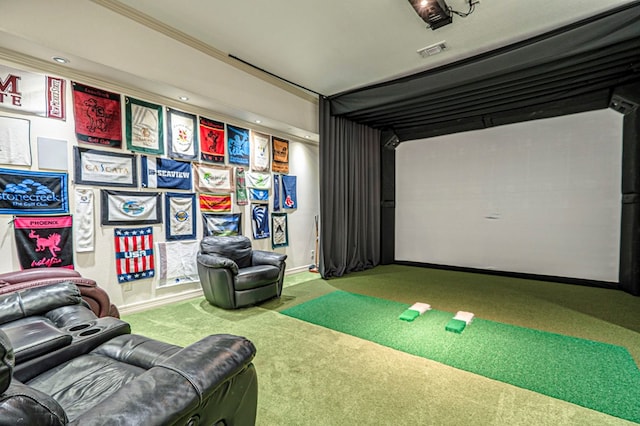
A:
(349, 195)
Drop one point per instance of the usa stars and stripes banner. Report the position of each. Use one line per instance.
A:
(134, 253)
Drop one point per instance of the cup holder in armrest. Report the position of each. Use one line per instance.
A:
(85, 329)
(90, 332)
(79, 327)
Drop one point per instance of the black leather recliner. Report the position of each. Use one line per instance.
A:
(234, 275)
(60, 364)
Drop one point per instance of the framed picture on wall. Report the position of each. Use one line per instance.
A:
(130, 208)
(222, 224)
(182, 135)
(104, 168)
(180, 210)
(145, 126)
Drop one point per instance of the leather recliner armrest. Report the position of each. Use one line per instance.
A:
(211, 360)
(22, 404)
(214, 261)
(261, 257)
(178, 386)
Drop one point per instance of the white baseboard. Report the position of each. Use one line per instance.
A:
(159, 301)
(298, 269)
(190, 294)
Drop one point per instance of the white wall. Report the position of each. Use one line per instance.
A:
(540, 197)
(100, 264)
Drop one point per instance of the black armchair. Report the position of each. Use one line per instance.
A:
(234, 275)
(62, 365)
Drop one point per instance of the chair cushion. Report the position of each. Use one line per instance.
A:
(85, 381)
(256, 276)
(236, 248)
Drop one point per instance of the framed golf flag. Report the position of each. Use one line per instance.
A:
(182, 135)
(239, 147)
(24, 192)
(144, 126)
(180, 222)
(15, 144)
(104, 168)
(166, 173)
(215, 203)
(280, 233)
(130, 207)
(280, 159)
(44, 242)
(215, 179)
(97, 116)
(222, 224)
(260, 151)
(212, 148)
(260, 221)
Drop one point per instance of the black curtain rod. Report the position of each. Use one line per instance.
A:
(274, 75)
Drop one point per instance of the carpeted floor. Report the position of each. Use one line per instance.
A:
(311, 375)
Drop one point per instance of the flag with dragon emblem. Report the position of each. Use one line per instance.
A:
(44, 241)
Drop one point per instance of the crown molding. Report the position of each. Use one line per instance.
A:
(186, 39)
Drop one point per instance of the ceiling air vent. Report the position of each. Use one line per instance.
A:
(434, 49)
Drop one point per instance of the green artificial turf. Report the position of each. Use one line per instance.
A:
(595, 375)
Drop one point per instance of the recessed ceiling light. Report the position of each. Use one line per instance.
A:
(61, 60)
(258, 121)
(183, 98)
(308, 137)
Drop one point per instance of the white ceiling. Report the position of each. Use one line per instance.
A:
(328, 46)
